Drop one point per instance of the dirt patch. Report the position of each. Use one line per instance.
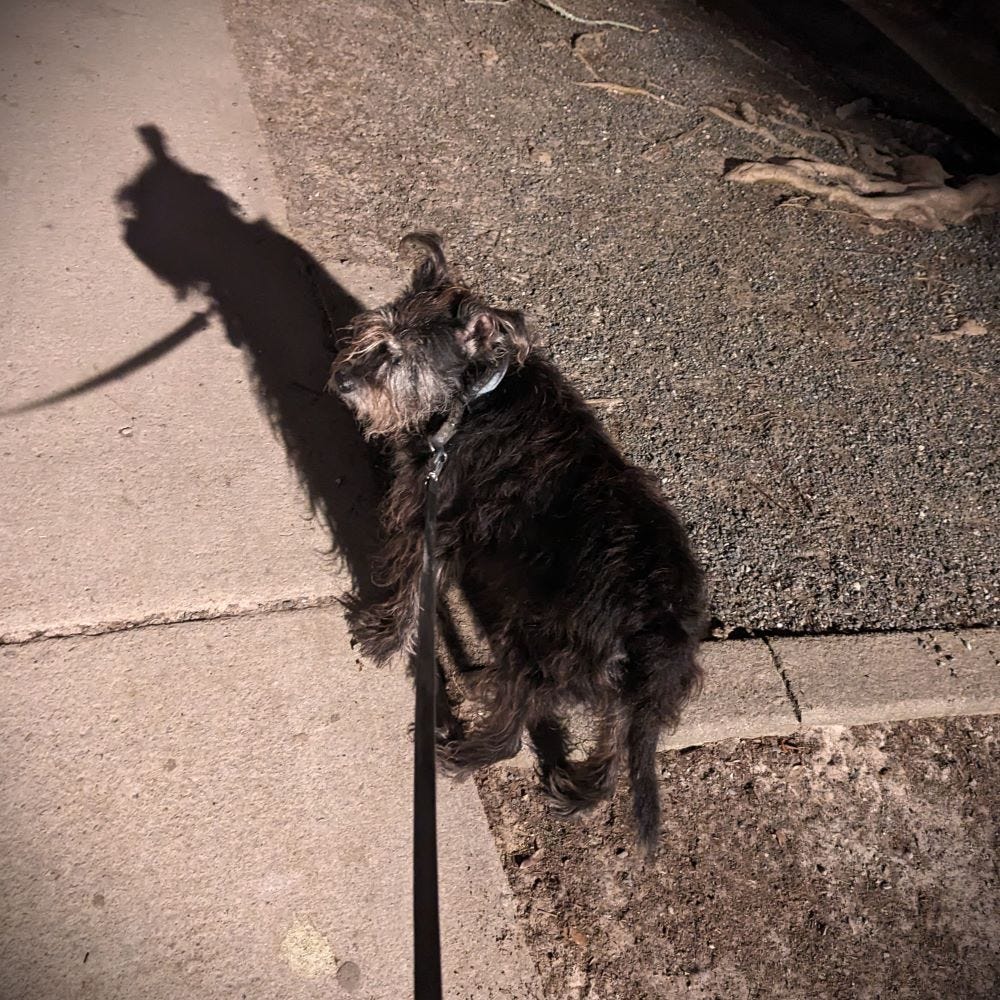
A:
(843, 863)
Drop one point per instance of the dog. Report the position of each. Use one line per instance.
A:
(579, 575)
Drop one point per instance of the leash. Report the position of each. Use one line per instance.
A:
(426, 912)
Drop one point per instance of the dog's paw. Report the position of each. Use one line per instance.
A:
(376, 632)
(450, 757)
(463, 756)
(574, 792)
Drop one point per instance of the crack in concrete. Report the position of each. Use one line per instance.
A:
(862, 632)
(20, 638)
(178, 618)
(789, 691)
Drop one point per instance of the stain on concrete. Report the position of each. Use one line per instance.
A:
(306, 951)
(349, 976)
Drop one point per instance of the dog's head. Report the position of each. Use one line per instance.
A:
(402, 364)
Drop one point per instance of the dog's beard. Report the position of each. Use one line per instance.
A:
(382, 414)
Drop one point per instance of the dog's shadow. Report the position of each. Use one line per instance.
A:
(283, 310)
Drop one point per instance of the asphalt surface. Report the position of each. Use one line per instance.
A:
(777, 365)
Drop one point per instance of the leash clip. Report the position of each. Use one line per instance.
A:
(438, 457)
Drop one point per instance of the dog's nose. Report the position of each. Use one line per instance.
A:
(345, 382)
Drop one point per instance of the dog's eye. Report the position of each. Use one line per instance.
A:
(395, 360)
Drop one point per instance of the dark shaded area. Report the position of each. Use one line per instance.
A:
(282, 309)
(840, 55)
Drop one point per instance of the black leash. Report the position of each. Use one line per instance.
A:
(426, 918)
(426, 923)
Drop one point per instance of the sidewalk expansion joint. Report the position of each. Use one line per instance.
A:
(236, 610)
(779, 666)
(161, 620)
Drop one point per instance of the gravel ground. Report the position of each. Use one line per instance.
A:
(774, 364)
(839, 865)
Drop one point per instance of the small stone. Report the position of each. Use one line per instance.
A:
(859, 107)
(349, 976)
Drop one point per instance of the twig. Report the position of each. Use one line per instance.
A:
(759, 130)
(620, 88)
(578, 46)
(767, 496)
(933, 207)
(563, 12)
(664, 147)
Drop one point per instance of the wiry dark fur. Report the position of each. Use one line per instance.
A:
(578, 573)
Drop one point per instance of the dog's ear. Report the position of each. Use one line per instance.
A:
(433, 271)
(498, 332)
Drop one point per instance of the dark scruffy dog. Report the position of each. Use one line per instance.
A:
(576, 570)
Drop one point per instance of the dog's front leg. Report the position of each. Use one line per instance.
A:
(389, 627)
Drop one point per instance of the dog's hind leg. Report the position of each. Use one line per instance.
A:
(550, 742)
(495, 738)
(578, 785)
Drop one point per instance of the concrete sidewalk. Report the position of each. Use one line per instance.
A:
(775, 687)
(219, 808)
(222, 809)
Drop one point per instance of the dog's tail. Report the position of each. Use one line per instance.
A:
(669, 684)
(643, 735)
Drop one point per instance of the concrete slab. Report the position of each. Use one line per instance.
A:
(221, 809)
(856, 680)
(743, 696)
(166, 492)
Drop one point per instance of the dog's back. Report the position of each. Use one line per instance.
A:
(576, 568)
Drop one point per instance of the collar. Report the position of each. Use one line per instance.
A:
(489, 381)
(440, 438)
